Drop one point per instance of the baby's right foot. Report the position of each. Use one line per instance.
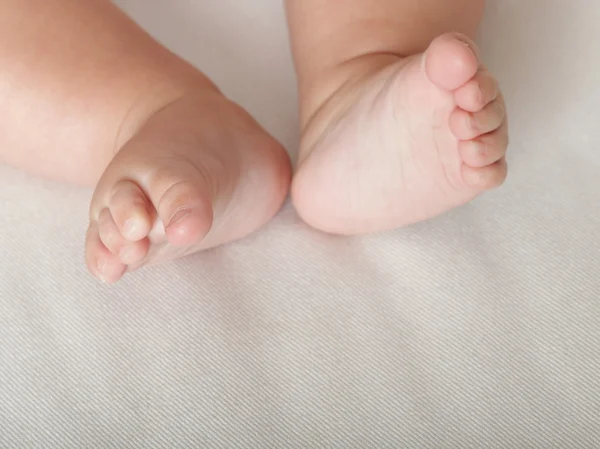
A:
(200, 172)
(417, 137)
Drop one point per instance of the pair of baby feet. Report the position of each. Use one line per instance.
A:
(418, 137)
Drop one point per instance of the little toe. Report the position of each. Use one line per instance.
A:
(451, 61)
(481, 90)
(133, 253)
(129, 253)
(467, 125)
(100, 261)
(485, 178)
(486, 149)
(131, 211)
(109, 234)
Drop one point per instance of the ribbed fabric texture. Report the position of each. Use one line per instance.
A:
(480, 329)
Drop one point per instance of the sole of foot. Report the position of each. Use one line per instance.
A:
(410, 141)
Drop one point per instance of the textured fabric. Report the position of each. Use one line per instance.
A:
(480, 329)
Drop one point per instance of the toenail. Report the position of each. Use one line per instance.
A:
(101, 265)
(499, 109)
(480, 95)
(124, 253)
(480, 147)
(468, 43)
(178, 216)
(129, 227)
(462, 38)
(482, 179)
(472, 124)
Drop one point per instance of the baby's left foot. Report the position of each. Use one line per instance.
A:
(414, 139)
(199, 173)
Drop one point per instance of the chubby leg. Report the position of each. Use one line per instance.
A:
(88, 97)
(401, 122)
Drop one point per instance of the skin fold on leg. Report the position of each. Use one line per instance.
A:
(79, 74)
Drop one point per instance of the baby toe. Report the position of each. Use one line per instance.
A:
(100, 261)
(468, 125)
(109, 234)
(186, 212)
(451, 61)
(486, 149)
(133, 253)
(132, 213)
(481, 90)
(182, 196)
(485, 178)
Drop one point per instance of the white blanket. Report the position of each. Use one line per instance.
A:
(480, 329)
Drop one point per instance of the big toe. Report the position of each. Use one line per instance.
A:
(182, 198)
(451, 61)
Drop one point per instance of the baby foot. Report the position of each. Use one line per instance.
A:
(200, 172)
(417, 138)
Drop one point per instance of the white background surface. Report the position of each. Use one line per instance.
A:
(479, 329)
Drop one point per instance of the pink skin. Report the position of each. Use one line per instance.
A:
(400, 123)
(199, 173)
(400, 120)
(178, 168)
(409, 141)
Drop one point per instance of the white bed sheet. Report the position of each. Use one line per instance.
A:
(478, 329)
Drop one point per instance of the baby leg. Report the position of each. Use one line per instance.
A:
(89, 97)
